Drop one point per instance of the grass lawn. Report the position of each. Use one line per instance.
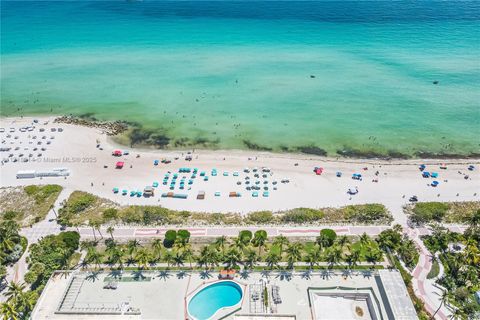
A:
(434, 271)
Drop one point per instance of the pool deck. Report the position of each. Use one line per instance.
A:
(164, 295)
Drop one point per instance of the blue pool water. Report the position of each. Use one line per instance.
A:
(214, 297)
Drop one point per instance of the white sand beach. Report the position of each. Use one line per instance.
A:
(75, 148)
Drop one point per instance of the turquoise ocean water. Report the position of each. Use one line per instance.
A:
(336, 75)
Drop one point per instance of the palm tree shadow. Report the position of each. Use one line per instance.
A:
(326, 274)
(205, 275)
(347, 273)
(92, 276)
(138, 275)
(367, 274)
(307, 275)
(284, 275)
(182, 274)
(244, 274)
(265, 274)
(164, 275)
(115, 274)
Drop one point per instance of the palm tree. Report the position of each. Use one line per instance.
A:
(457, 314)
(92, 225)
(14, 290)
(334, 255)
(26, 302)
(9, 312)
(353, 258)
(157, 248)
(443, 299)
(273, 258)
(364, 239)
(280, 241)
(96, 258)
(232, 258)
(294, 253)
(110, 230)
(343, 241)
(168, 257)
(373, 255)
(143, 257)
(313, 257)
(220, 242)
(259, 240)
(188, 254)
(323, 241)
(178, 258)
(250, 258)
(132, 246)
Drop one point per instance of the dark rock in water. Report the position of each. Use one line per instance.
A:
(312, 150)
(312, 76)
(435, 82)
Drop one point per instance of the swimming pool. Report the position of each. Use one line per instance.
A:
(206, 302)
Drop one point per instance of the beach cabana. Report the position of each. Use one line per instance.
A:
(124, 192)
(132, 193)
(217, 193)
(338, 174)
(435, 183)
(201, 195)
(115, 190)
(426, 174)
(225, 174)
(356, 176)
(318, 170)
(205, 178)
(434, 175)
(155, 184)
(422, 167)
(148, 191)
(266, 194)
(117, 153)
(235, 174)
(471, 167)
(254, 194)
(155, 162)
(119, 165)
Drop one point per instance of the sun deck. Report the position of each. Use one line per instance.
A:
(163, 295)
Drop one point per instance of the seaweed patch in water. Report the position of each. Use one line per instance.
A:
(253, 146)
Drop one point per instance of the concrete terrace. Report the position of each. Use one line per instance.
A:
(163, 295)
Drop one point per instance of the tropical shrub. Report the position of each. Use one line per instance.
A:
(170, 237)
